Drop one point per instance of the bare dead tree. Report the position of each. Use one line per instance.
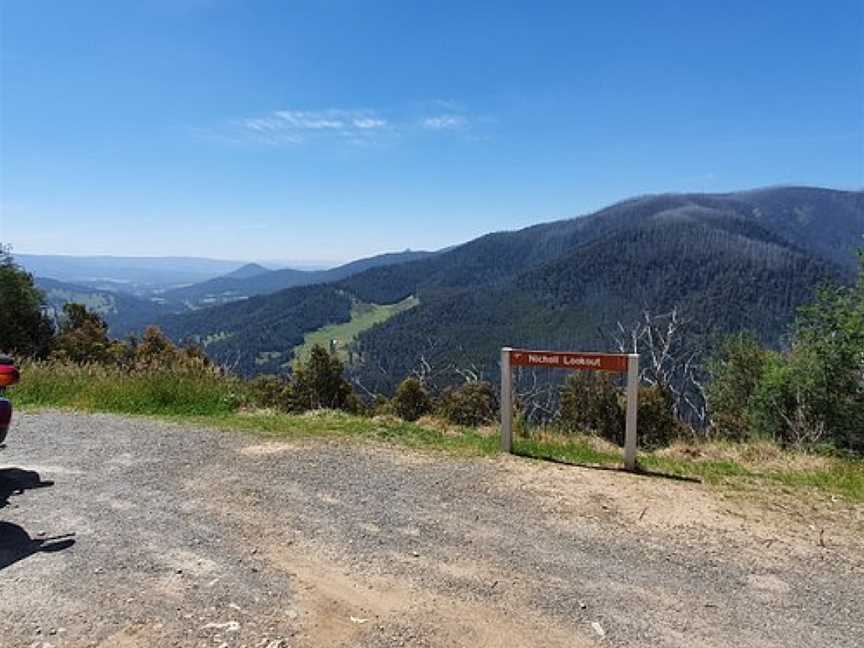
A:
(667, 362)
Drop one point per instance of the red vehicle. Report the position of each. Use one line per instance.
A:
(8, 376)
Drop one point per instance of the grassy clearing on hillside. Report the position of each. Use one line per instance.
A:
(363, 316)
(211, 400)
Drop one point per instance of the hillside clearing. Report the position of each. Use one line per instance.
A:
(363, 316)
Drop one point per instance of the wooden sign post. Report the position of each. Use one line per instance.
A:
(615, 362)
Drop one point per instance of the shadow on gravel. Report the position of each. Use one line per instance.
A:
(16, 544)
(642, 472)
(14, 481)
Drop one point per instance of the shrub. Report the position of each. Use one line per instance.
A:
(734, 377)
(381, 406)
(318, 384)
(590, 402)
(471, 405)
(270, 391)
(84, 338)
(657, 424)
(815, 392)
(411, 400)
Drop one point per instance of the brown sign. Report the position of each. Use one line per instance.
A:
(563, 360)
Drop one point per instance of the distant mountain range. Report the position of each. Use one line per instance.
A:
(129, 292)
(136, 275)
(253, 280)
(743, 260)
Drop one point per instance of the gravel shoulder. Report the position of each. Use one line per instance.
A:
(127, 532)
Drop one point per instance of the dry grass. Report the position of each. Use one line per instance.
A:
(756, 455)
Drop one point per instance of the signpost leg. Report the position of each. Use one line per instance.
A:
(632, 407)
(506, 402)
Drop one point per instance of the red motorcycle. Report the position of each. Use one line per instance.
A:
(8, 376)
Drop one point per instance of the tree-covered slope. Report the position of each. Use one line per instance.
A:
(242, 335)
(831, 228)
(728, 261)
(723, 274)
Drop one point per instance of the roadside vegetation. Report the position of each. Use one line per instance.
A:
(790, 420)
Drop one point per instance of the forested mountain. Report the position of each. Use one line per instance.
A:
(721, 274)
(233, 287)
(247, 271)
(728, 261)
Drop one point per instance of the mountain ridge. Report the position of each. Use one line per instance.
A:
(770, 246)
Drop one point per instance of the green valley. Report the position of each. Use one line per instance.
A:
(363, 317)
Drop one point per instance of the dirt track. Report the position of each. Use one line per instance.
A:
(188, 537)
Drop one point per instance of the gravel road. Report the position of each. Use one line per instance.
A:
(123, 532)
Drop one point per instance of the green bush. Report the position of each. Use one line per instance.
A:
(815, 392)
(83, 338)
(734, 377)
(470, 405)
(657, 424)
(411, 400)
(590, 402)
(269, 391)
(318, 384)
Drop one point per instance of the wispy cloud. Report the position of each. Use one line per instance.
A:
(295, 126)
(445, 122)
(360, 127)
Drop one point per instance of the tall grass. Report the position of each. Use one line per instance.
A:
(166, 391)
(203, 396)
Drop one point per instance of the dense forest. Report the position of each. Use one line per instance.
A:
(728, 262)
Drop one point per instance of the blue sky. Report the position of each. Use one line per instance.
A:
(330, 130)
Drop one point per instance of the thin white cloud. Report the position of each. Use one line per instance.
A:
(368, 122)
(444, 122)
(363, 127)
(295, 126)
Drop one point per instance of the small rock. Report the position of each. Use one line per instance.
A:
(598, 629)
